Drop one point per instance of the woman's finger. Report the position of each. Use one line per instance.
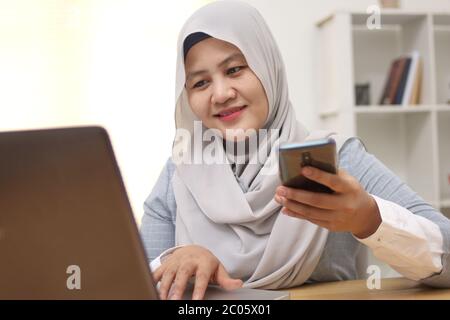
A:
(315, 199)
(202, 278)
(158, 273)
(320, 223)
(333, 181)
(166, 281)
(308, 211)
(225, 281)
(184, 273)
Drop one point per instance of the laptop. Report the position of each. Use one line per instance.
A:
(67, 230)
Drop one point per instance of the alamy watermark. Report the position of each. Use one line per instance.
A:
(374, 279)
(374, 20)
(208, 146)
(74, 280)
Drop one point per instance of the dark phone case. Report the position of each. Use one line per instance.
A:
(321, 155)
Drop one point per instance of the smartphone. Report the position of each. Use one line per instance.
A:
(293, 157)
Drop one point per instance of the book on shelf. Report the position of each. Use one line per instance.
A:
(403, 83)
(414, 97)
(388, 85)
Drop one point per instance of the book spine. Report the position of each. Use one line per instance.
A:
(415, 95)
(401, 86)
(387, 85)
(396, 80)
(412, 74)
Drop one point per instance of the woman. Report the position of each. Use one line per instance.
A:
(231, 222)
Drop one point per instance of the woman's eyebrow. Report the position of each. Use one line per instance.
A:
(234, 56)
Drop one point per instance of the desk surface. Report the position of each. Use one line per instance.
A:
(391, 288)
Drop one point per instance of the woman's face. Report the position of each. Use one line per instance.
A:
(223, 91)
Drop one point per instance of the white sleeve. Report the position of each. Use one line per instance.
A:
(409, 243)
(156, 263)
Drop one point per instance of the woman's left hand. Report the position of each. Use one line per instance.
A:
(350, 208)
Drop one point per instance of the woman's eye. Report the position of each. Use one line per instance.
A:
(199, 84)
(234, 70)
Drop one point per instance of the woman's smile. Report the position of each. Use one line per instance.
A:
(230, 114)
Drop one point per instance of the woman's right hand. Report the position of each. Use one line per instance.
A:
(177, 268)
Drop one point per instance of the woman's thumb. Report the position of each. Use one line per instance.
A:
(225, 281)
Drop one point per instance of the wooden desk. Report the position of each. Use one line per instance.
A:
(391, 288)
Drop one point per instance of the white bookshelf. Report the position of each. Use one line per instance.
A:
(413, 141)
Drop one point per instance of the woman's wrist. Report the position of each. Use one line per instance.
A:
(370, 218)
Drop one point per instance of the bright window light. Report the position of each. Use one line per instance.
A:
(96, 62)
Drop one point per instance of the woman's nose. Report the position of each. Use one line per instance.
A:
(222, 92)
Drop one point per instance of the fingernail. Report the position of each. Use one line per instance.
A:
(277, 198)
(307, 171)
(282, 191)
(280, 200)
(196, 297)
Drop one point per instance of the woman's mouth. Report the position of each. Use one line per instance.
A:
(230, 114)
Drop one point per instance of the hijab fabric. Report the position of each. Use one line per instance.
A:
(229, 208)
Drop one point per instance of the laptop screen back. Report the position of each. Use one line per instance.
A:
(66, 227)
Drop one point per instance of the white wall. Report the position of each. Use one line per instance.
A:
(96, 62)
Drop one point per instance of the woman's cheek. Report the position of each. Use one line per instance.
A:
(198, 106)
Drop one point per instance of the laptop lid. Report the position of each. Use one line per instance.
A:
(66, 226)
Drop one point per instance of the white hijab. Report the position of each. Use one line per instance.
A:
(233, 214)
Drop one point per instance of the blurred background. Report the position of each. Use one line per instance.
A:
(112, 63)
(99, 62)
